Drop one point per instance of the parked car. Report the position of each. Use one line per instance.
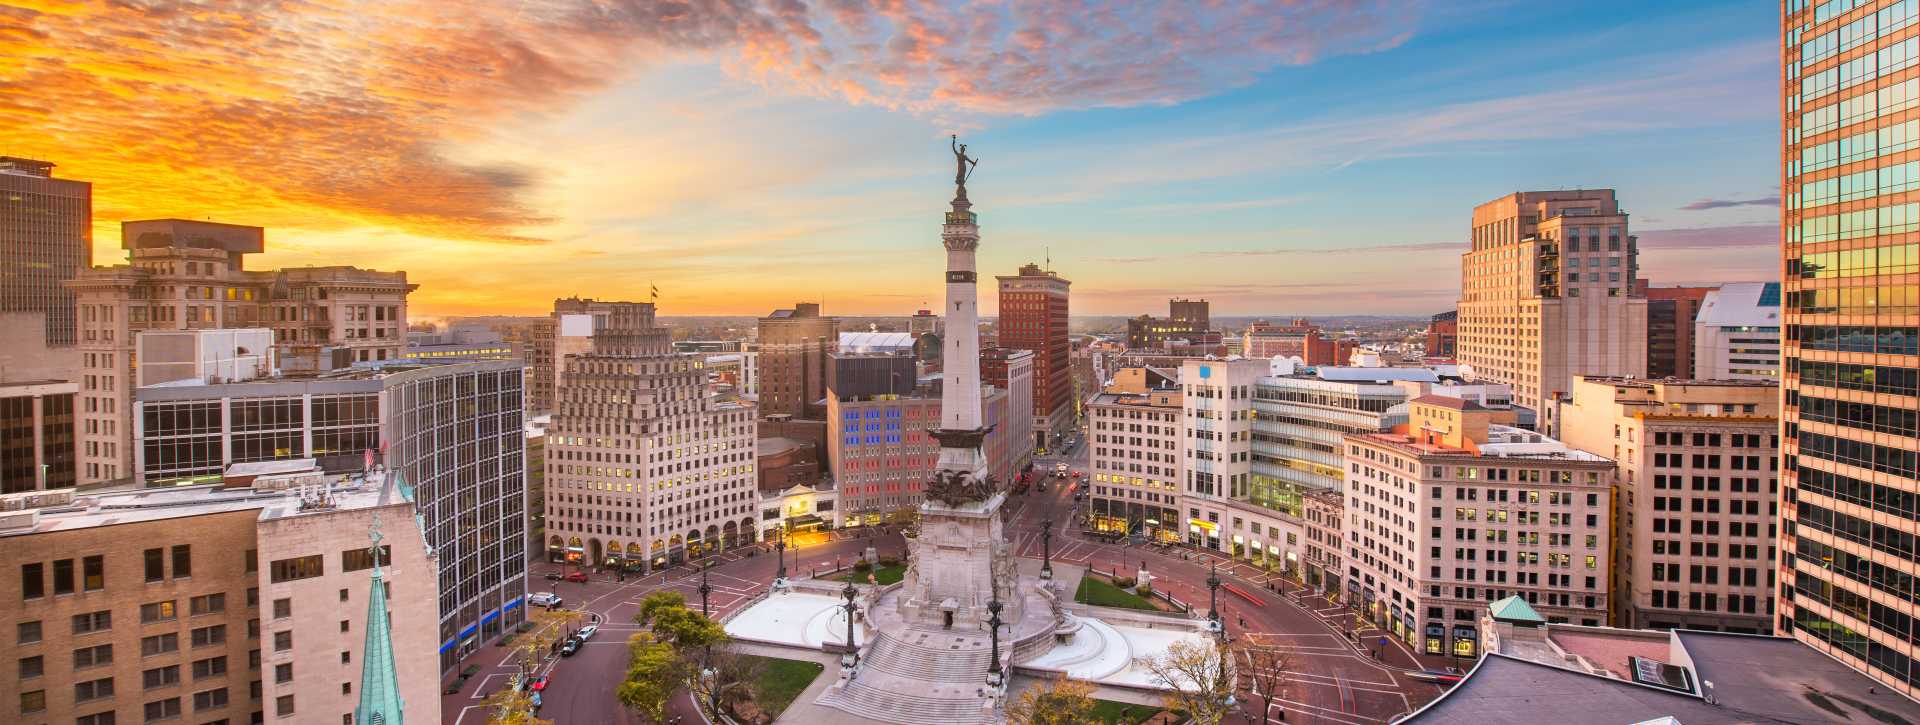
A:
(544, 599)
(587, 632)
(571, 646)
(533, 684)
(577, 576)
(553, 576)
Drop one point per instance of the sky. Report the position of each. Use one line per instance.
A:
(1304, 157)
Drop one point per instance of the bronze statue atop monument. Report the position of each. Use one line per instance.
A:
(963, 164)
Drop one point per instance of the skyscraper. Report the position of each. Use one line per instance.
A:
(1549, 291)
(794, 348)
(1849, 469)
(1671, 312)
(46, 237)
(1033, 316)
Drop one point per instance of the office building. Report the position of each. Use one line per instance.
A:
(36, 435)
(241, 603)
(795, 345)
(1321, 568)
(1852, 336)
(188, 275)
(1187, 324)
(1012, 371)
(1443, 335)
(1550, 290)
(1216, 461)
(881, 451)
(1456, 512)
(1671, 312)
(1299, 339)
(1737, 335)
(645, 467)
(924, 322)
(454, 432)
(1696, 507)
(1133, 452)
(1033, 316)
(540, 339)
(46, 238)
(866, 374)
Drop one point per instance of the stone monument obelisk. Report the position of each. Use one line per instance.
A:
(960, 560)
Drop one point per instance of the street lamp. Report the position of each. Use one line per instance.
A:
(993, 624)
(852, 657)
(780, 547)
(705, 589)
(1213, 599)
(1046, 548)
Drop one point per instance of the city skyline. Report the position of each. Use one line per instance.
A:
(750, 149)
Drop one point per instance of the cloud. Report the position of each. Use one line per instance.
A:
(1749, 235)
(335, 114)
(1284, 252)
(1705, 204)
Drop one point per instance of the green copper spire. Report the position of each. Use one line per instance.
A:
(380, 702)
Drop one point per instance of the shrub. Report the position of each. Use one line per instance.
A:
(889, 561)
(504, 641)
(453, 688)
(1124, 582)
(524, 626)
(863, 566)
(469, 671)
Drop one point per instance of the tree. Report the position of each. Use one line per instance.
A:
(656, 603)
(654, 672)
(1267, 673)
(686, 630)
(510, 706)
(1064, 702)
(1198, 678)
(732, 678)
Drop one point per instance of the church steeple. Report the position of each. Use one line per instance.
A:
(380, 702)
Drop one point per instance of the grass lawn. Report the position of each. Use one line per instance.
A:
(1098, 591)
(781, 681)
(1122, 713)
(884, 575)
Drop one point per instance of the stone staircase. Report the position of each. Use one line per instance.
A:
(913, 684)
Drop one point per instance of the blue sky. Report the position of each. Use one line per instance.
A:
(1314, 157)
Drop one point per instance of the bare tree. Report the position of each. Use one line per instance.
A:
(1198, 678)
(1266, 672)
(1064, 702)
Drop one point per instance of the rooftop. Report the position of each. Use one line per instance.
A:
(157, 504)
(1741, 304)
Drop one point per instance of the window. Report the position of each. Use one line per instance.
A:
(182, 560)
(210, 699)
(35, 701)
(283, 672)
(282, 641)
(33, 580)
(209, 604)
(95, 656)
(156, 562)
(282, 608)
(358, 559)
(159, 644)
(160, 678)
(93, 689)
(31, 667)
(63, 576)
(283, 705)
(167, 709)
(157, 612)
(209, 667)
(210, 636)
(27, 632)
(297, 568)
(94, 573)
(92, 622)
(98, 718)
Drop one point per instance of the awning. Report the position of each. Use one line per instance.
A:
(1435, 630)
(806, 520)
(575, 548)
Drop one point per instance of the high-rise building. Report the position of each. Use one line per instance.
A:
(188, 275)
(539, 350)
(455, 433)
(645, 467)
(1737, 335)
(1550, 290)
(882, 450)
(1187, 322)
(1012, 371)
(1671, 312)
(1133, 456)
(1457, 512)
(1851, 455)
(1443, 335)
(1033, 316)
(46, 238)
(795, 346)
(1216, 456)
(37, 447)
(1297, 339)
(1695, 510)
(237, 601)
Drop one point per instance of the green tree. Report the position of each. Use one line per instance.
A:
(656, 603)
(654, 672)
(1065, 702)
(687, 630)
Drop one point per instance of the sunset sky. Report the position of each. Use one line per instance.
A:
(1305, 157)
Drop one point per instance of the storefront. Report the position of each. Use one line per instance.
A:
(1436, 639)
(1205, 534)
(1466, 642)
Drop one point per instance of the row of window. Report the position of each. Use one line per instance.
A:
(1868, 262)
(1857, 224)
(1867, 378)
(1858, 109)
(1857, 338)
(1868, 300)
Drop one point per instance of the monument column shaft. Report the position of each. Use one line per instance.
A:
(960, 393)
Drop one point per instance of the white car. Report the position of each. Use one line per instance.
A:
(544, 599)
(586, 633)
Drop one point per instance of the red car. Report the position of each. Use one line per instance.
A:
(577, 576)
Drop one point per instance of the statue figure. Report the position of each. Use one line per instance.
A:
(963, 165)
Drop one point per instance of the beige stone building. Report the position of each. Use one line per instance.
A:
(1549, 291)
(1133, 432)
(1697, 500)
(1456, 511)
(185, 275)
(205, 604)
(644, 467)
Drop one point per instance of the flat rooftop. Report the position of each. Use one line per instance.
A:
(157, 504)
